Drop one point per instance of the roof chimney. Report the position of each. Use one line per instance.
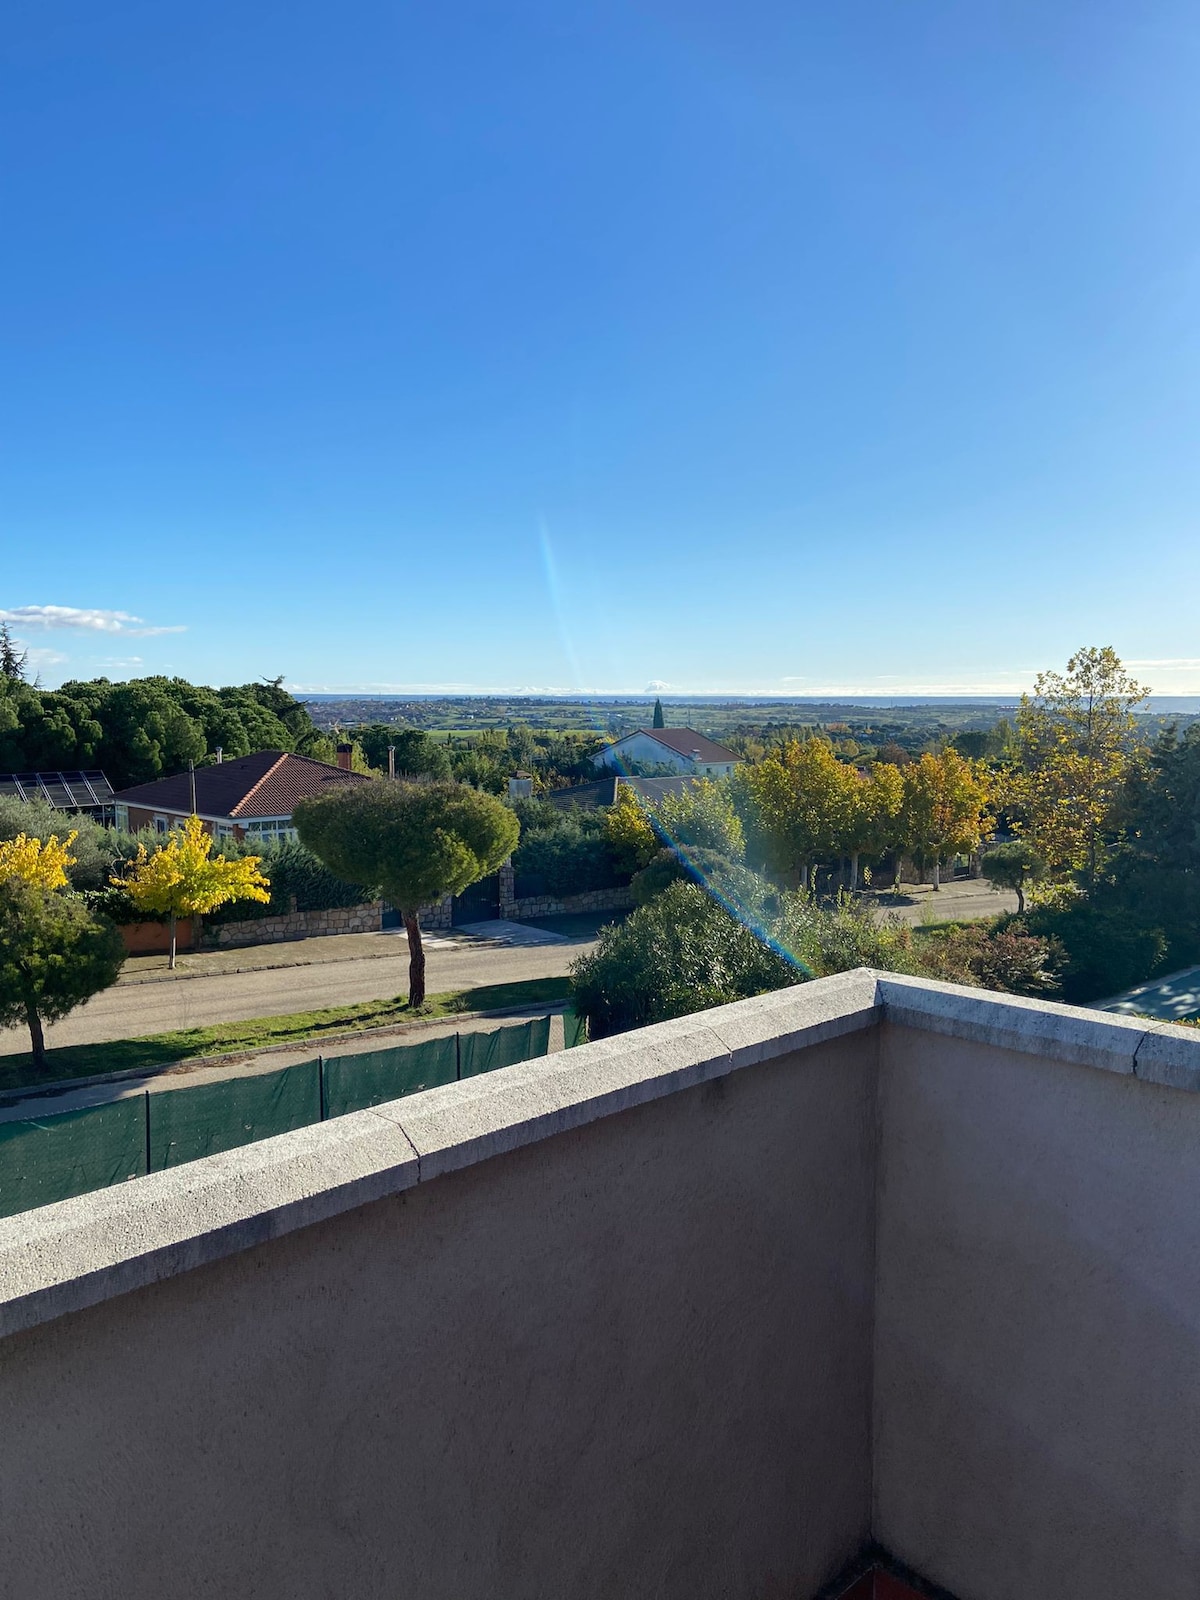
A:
(220, 755)
(345, 753)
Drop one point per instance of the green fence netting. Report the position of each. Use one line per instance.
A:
(354, 1082)
(186, 1124)
(43, 1159)
(502, 1047)
(49, 1158)
(574, 1030)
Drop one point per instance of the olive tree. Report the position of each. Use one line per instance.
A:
(412, 843)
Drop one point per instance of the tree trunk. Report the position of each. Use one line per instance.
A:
(37, 1039)
(853, 870)
(804, 877)
(1020, 901)
(171, 954)
(416, 960)
(937, 873)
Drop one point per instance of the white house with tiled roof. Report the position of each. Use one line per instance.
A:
(681, 749)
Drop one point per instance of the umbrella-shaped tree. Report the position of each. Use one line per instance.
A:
(411, 842)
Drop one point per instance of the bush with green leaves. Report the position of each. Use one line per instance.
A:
(1106, 950)
(838, 937)
(701, 817)
(999, 954)
(680, 953)
(563, 852)
(729, 880)
(684, 949)
(55, 953)
(93, 848)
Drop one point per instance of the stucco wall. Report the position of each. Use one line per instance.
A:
(687, 1312)
(610, 1363)
(1037, 1354)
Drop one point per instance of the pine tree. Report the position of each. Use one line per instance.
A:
(658, 715)
(13, 660)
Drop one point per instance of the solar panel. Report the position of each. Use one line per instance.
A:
(64, 791)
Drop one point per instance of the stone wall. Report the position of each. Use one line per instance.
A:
(295, 925)
(546, 905)
(437, 916)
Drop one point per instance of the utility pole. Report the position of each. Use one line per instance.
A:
(192, 783)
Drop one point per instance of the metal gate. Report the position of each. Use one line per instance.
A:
(479, 903)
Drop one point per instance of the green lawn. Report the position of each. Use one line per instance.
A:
(301, 1027)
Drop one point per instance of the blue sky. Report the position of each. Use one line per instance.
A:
(760, 348)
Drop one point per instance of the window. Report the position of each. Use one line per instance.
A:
(121, 818)
(161, 825)
(267, 829)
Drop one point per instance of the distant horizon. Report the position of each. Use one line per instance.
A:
(881, 702)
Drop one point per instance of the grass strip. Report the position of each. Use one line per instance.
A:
(257, 1033)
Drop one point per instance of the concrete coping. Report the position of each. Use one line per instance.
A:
(76, 1253)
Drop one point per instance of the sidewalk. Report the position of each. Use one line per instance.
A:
(323, 948)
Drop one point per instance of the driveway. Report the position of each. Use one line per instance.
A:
(452, 962)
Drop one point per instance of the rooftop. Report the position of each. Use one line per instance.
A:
(268, 783)
(686, 742)
(727, 1307)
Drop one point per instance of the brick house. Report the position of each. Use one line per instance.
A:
(247, 797)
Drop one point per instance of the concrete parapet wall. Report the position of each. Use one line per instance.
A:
(692, 1311)
(505, 1349)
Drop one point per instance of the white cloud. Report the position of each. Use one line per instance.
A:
(83, 620)
(39, 658)
(656, 686)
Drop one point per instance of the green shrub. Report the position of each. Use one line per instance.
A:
(92, 849)
(682, 952)
(294, 872)
(1107, 950)
(567, 854)
(1000, 955)
(727, 879)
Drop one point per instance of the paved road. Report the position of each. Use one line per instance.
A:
(1175, 998)
(131, 1010)
(961, 900)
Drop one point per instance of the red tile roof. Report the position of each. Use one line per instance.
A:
(687, 742)
(266, 784)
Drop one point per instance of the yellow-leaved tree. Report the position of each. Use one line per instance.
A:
(798, 805)
(1077, 748)
(629, 831)
(54, 952)
(42, 865)
(945, 807)
(182, 878)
